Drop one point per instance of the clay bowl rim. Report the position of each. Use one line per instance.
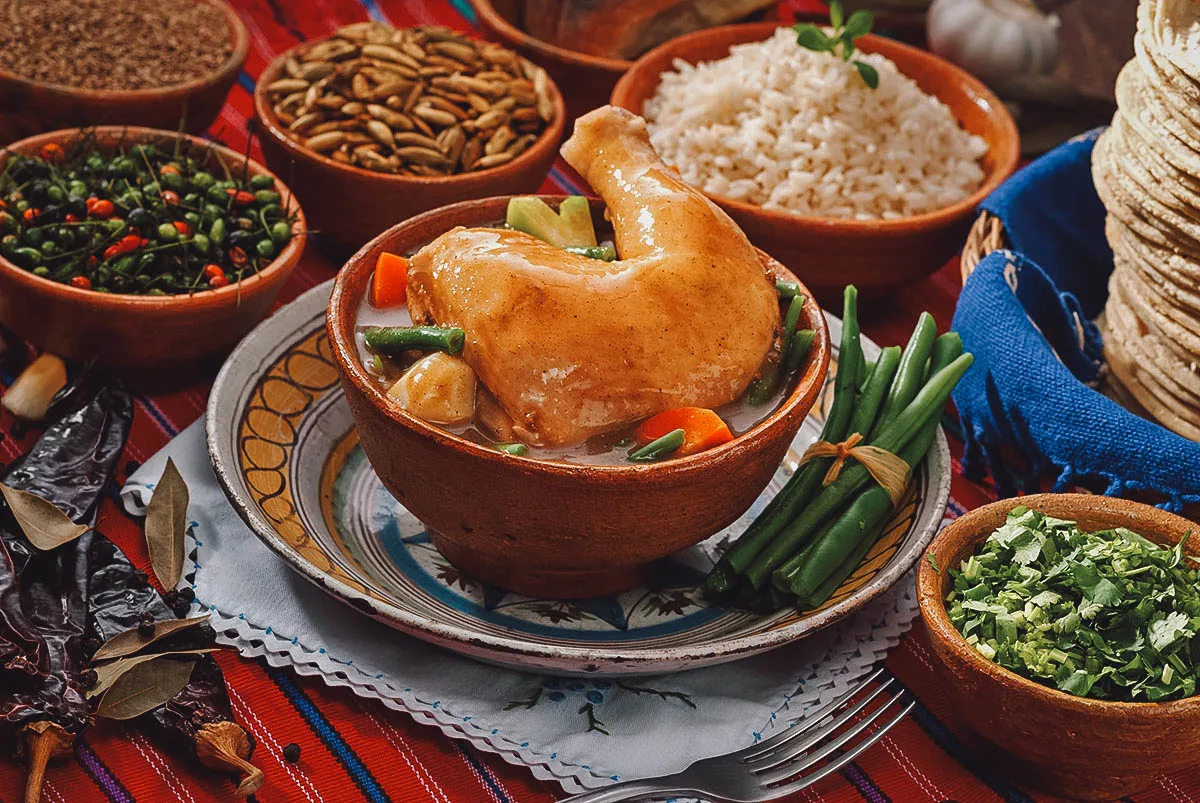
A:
(1006, 159)
(549, 139)
(963, 530)
(494, 20)
(805, 391)
(127, 302)
(240, 41)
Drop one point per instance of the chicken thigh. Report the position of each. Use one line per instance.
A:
(568, 346)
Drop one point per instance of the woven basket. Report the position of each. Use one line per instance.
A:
(986, 236)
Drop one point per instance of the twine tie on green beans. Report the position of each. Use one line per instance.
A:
(886, 468)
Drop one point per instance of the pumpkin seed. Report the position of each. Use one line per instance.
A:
(422, 101)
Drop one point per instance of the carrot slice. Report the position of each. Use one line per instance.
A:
(389, 287)
(703, 429)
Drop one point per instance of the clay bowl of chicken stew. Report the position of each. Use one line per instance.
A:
(567, 390)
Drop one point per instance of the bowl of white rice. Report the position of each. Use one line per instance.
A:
(839, 181)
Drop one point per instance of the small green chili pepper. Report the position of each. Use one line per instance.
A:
(267, 197)
(201, 243)
(41, 271)
(263, 181)
(167, 233)
(55, 194)
(281, 232)
(217, 232)
(171, 181)
(216, 193)
(203, 180)
(517, 449)
(266, 249)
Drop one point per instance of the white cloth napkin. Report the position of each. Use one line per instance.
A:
(582, 733)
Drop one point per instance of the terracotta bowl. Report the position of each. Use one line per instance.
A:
(877, 253)
(140, 335)
(1067, 745)
(353, 205)
(590, 78)
(537, 527)
(32, 107)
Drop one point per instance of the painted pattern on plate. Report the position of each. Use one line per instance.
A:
(356, 532)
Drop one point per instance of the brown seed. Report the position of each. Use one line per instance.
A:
(323, 143)
(395, 120)
(422, 126)
(352, 108)
(471, 153)
(381, 133)
(494, 160)
(321, 128)
(292, 67)
(315, 70)
(355, 30)
(291, 102)
(331, 50)
(445, 105)
(304, 122)
(361, 87)
(490, 119)
(457, 51)
(430, 157)
(499, 140)
(425, 170)
(287, 85)
(522, 97)
(388, 88)
(435, 70)
(331, 102)
(413, 96)
(434, 116)
(387, 53)
(340, 156)
(373, 161)
(478, 103)
(504, 105)
(492, 76)
(391, 71)
(415, 139)
(525, 114)
(453, 140)
(285, 118)
(414, 50)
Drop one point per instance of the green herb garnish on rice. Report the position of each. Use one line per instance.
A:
(841, 42)
(1108, 615)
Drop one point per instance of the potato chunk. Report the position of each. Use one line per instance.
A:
(438, 388)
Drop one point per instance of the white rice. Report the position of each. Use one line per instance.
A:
(790, 129)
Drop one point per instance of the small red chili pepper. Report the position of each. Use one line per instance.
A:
(183, 228)
(170, 197)
(71, 218)
(212, 271)
(52, 152)
(168, 168)
(130, 242)
(82, 282)
(3, 205)
(90, 202)
(93, 261)
(143, 242)
(29, 214)
(102, 209)
(217, 282)
(241, 197)
(237, 256)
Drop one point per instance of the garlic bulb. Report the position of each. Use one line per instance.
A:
(996, 40)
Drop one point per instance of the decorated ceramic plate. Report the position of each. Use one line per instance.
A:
(284, 447)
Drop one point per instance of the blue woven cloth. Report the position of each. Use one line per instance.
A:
(1027, 406)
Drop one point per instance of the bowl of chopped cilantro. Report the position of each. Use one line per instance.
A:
(1067, 630)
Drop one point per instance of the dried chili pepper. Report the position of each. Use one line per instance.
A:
(71, 466)
(199, 719)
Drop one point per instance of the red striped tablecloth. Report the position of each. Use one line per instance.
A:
(353, 750)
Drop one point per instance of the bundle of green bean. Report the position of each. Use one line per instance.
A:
(811, 537)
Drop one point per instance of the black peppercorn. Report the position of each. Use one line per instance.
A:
(88, 678)
(187, 593)
(146, 624)
(291, 753)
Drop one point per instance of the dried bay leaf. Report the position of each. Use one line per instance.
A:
(132, 640)
(144, 687)
(44, 525)
(166, 525)
(108, 673)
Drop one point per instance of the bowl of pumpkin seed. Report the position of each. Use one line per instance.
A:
(375, 124)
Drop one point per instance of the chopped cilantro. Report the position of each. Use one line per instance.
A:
(1109, 614)
(933, 562)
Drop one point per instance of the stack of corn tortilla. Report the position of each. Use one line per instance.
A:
(1147, 170)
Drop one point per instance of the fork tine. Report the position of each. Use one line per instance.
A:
(762, 748)
(830, 724)
(841, 760)
(783, 766)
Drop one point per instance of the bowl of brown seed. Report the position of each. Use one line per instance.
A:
(375, 124)
(164, 64)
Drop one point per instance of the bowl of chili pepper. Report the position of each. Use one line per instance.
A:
(140, 249)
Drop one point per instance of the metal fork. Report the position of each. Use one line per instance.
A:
(790, 761)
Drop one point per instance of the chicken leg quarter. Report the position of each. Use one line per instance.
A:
(569, 346)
